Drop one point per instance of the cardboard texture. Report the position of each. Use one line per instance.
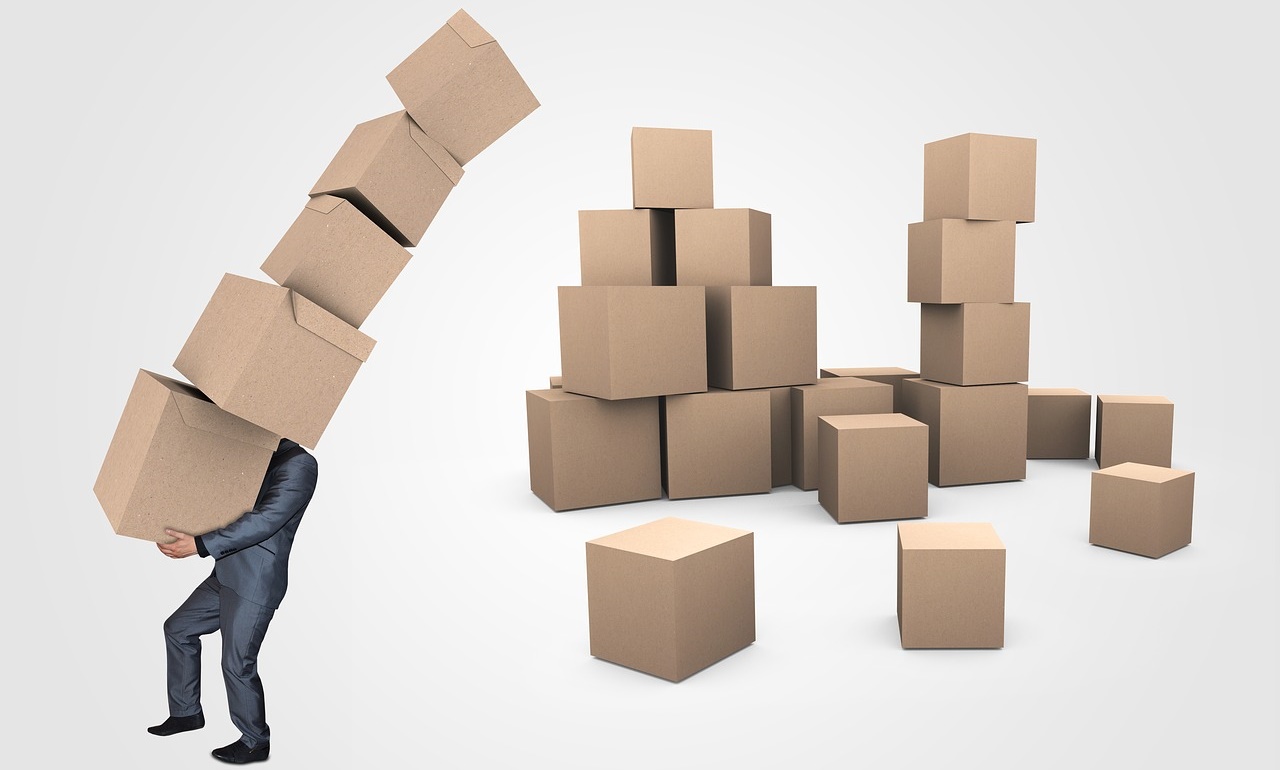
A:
(178, 461)
(717, 443)
(1058, 423)
(975, 343)
(633, 341)
(976, 434)
(980, 176)
(338, 258)
(671, 597)
(1142, 509)
(1133, 429)
(844, 395)
(394, 173)
(461, 88)
(951, 581)
(724, 247)
(761, 336)
(890, 375)
(671, 168)
(873, 467)
(954, 260)
(631, 247)
(271, 356)
(553, 381)
(780, 430)
(585, 452)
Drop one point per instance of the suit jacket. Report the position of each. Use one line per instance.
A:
(251, 554)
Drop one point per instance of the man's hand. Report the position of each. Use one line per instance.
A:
(184, 545)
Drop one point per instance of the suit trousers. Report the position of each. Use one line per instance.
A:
(243, 624)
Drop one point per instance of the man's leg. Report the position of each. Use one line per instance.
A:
(244, 624)
(198, 615)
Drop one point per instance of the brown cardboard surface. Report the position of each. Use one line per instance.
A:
(1133, 429)
(951, 585)
(717, 443)
(177, 461)
(724, 247)
(955, 260)
(461, 88)
(761, 336)
(554, 381)
(975, 343)
(977, 434)
(980, 176)
(671, 168)
(780, 430)
(1058, 423)
(1142, 509)
(844, 395)
(629, 247)
(890, 375)
(873, 467)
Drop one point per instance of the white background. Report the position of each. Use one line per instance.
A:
(437, 610)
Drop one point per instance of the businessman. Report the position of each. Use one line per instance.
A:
(250, 574)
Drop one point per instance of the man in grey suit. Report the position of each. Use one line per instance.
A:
(250, 574)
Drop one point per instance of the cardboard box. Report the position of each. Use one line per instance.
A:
(780, 430)
(845, 395)
(717, 443)
(585, 452)
(761, 336)
(976, 434)
(177, 461)
(554, 381)
(1058, 423)
(724, 247)
(950, 585)
(671, 168)
(273, 357)
(671, 597)
(890, 375)
(394, 173)
(976, 343)
(980, 176)
(633, 341)
(1135, 429)
(338, 258)
(1142, 509)
(956, 260)
(873, 467)
(631, 247)
(462, 89)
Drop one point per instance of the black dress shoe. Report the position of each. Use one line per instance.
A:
(174, 725)
(239, 753)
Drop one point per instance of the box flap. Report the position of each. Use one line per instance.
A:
(330, 328)
(471, 33)
(198, 412)
(325, 203)
(436, 151)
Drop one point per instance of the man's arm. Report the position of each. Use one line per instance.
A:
(292, 490)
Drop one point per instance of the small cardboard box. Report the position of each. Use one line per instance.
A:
(1135, 429)
(553, 381)
(671, 597)
(177, 461)
(955, 260)
(1058, 423)
(717, 443)
(761, 336)
(462, 89)
(338, 258)
(1142, 509)
(976, 434)
(273, 357)
(975, 343)
(394, 173)
(633, 341)
(780, 429)
(873, 467)
(890, 375)
(724, 247)
(843, 395)
(950, 585)
(980, 176)
(630, 247)
(671, 168)
(585, 452)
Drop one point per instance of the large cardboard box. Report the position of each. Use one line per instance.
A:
(629, 247)
(890, 375)
(177, 461)
(956, 260)
(1133, 429)
(761, 336)
(1058, 423)
(585, 451)
(975, 343)
(1142, 509)
(951, 578)
(338, 258)
(717, 443)
(873, 467)
(671, 168)
(273, 357)
(394, 173)
(980, 176)
(462, 89)
(724, 247)
(633, 341)
(671, 597)
(780, 430)
(844, 395)
(977, 434)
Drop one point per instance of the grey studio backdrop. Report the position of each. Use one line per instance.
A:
(437, 610)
